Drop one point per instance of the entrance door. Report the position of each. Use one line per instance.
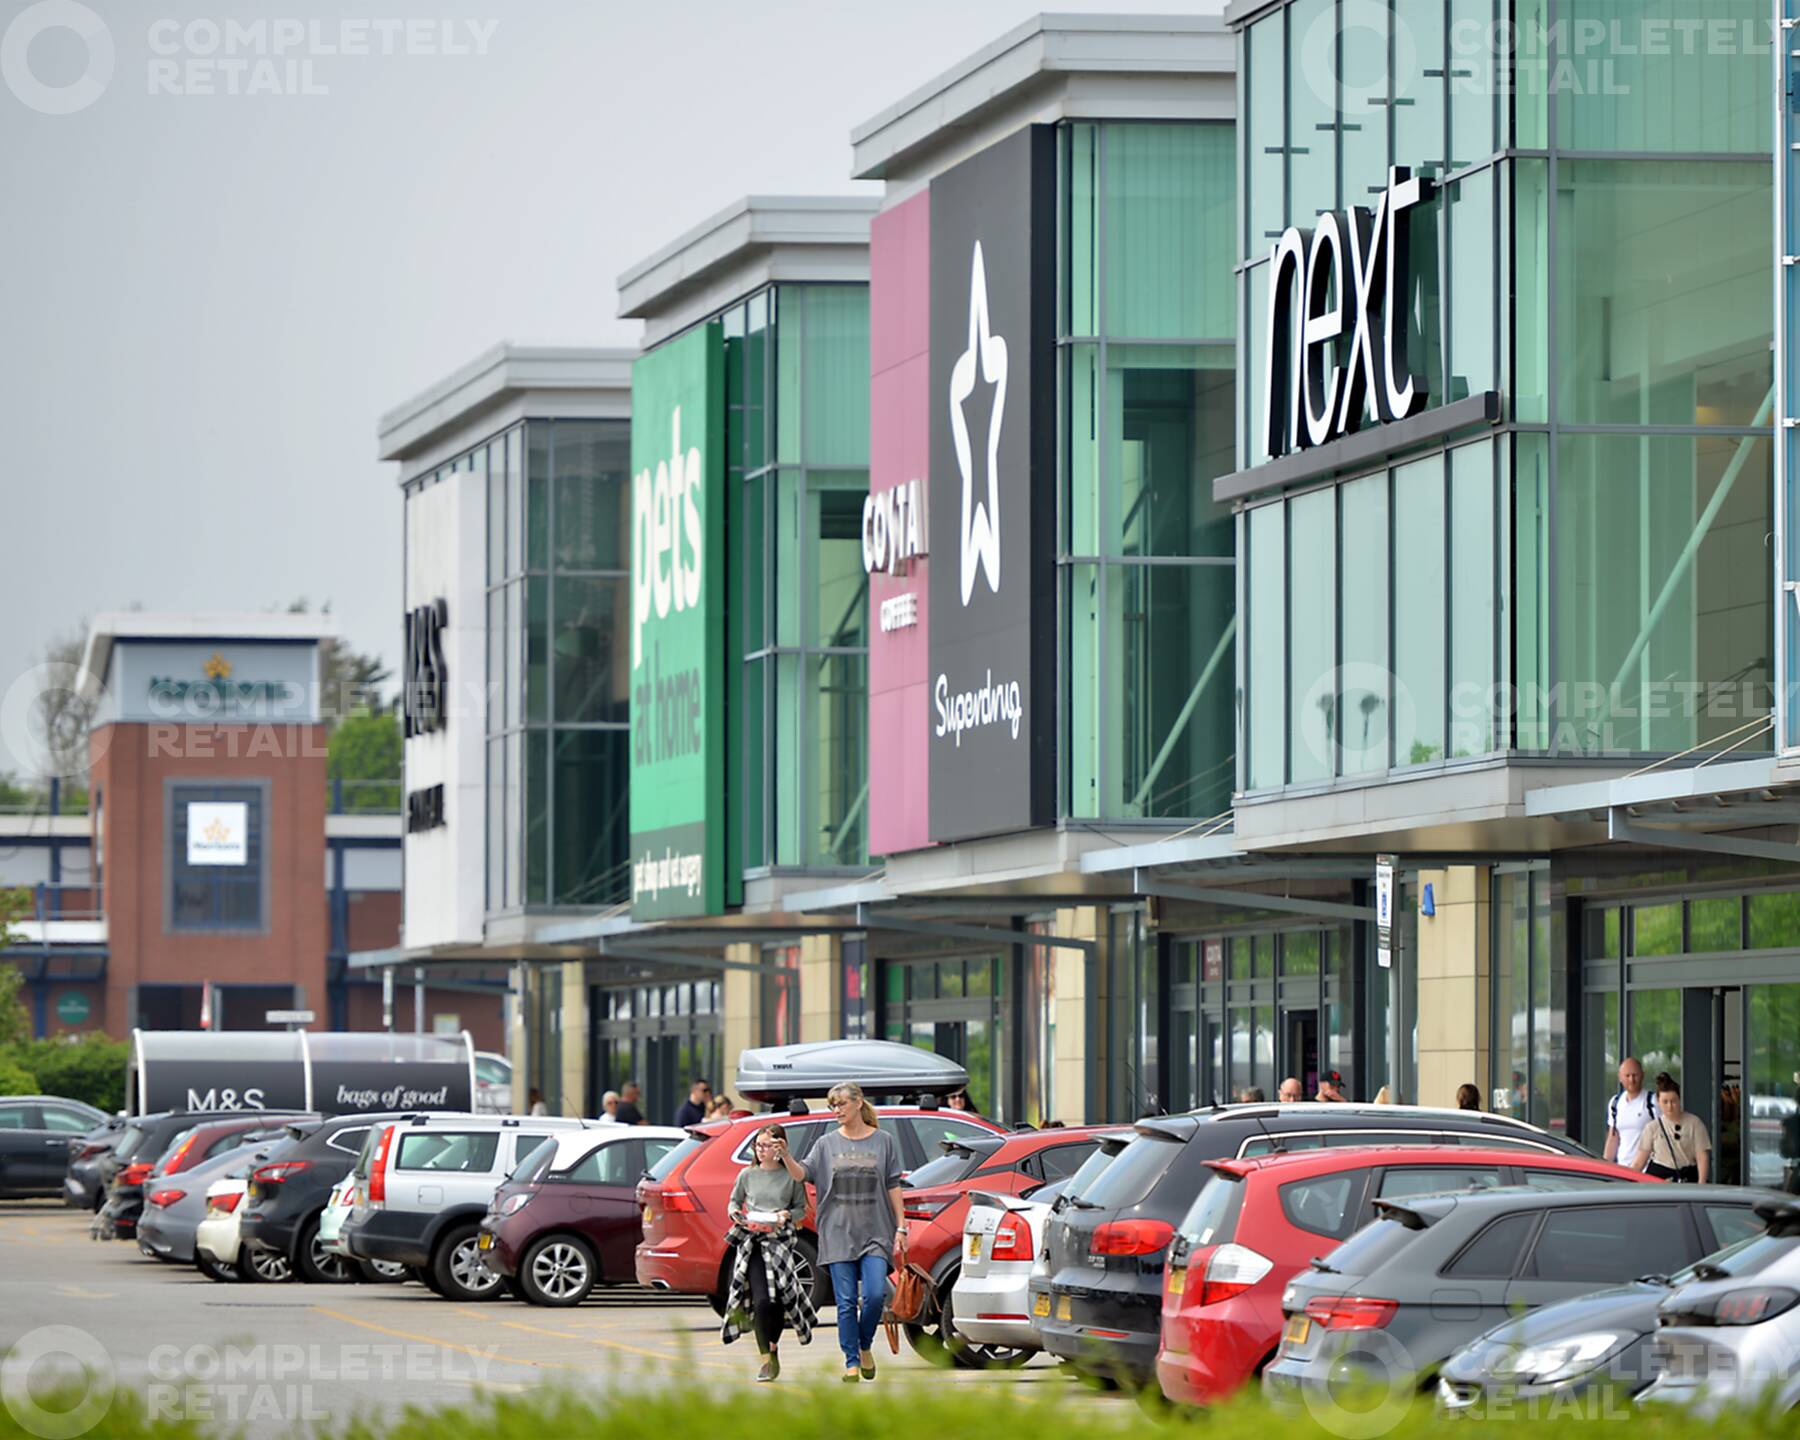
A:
(1770, 1112)
(1697, 1035)
(1300, 1049)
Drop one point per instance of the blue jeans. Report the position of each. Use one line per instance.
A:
(857, 1327)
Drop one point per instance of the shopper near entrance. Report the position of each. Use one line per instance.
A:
(534, 1102)
(1291, 1092)
(859, 1216)
(698, 1105)
(765, 1282)
(1331, 1087)
(1467, 1097)
(628, 1112)
(1628, 1113)
(609, 1108)
(1675, 1145)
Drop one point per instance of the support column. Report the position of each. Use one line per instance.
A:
(741, 996)
(517, 1049)
(821, 987)
(574, 1033)
(1454, 991)
(1076, 1058)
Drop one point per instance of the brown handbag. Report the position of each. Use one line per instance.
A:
(914, 1295)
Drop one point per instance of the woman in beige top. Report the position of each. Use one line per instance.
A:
(1675, 1145)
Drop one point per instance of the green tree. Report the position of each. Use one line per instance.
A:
(350, 681)
(13, 795)
(364, 752)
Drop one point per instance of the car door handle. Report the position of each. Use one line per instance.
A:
(54, 1140)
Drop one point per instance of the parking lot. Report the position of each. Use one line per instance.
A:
(292, 1354)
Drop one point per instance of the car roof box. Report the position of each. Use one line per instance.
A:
(884, 1068)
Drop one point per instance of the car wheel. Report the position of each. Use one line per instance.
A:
(267, 1266)
(213, 1270)
(317, 1265)
(557, 1271)
(384, 1272)
(941, 1345)
(459, 1270)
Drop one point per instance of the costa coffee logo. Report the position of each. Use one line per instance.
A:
(1349, 280)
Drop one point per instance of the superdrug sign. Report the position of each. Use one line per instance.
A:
(427, 686)
(1348, 283)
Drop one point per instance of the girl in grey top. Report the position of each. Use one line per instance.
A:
(770, 1286)
(861, 1221)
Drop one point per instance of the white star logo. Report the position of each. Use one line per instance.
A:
(980, 524)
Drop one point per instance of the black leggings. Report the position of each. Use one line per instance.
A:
(765, 1305)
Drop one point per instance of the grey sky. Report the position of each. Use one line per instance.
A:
(210, 298)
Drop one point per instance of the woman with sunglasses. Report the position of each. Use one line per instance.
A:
(1675, 1144)
(861, 1222)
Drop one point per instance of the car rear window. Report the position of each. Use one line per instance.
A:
(665, 1167)
(944, 1170)
(1370, 1247)
(1325, 1204)
(129, 1141)
(536, 1161)
(1212, 1218)
(1091, 1169)
(1134, 1174)
(459, 1152)
(1403, 1182)
(1494, 1253)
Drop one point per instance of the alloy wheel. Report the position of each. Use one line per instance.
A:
(268, 1266)
(560, 1271)
(468, 1270)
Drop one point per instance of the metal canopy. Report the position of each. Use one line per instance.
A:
(1619, 826)
(1255, 900)
(978, 934)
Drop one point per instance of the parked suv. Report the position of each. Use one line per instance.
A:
(684, 1194)
(426, 1182)
(1102, 1302)
(286, 1197)
(35, 1131)
(145, 1143)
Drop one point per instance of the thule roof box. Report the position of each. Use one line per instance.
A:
(886, 1070)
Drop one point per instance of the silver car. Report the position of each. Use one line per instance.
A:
(1731, 1338)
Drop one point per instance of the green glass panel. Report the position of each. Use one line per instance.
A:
(1168, 435)
(592, 648)
(1363, 61)
(519, 508)
(950, 980)
(789, 326)
(592, 803)
(1531, 635)
(1531, 76)
(750, 550)
(1312, 598)
(1613, 946)
(1300, 953)
(1775, 921)
(1663, 590)
(787, 762)
(1081, 161)
(1240, 957)
(1312, 110)
(1530, 394)
(835, 350)
(1265, 957)
(790, 599)
(1361, 721)
(1512, 993)
(1085, 690)
(1663, 312)
(839, 587)
(496, 511)
(1266, 646)
(1772, 1086)
(1656, 929)
(1425, 318)
(537, 817)
(1265, 137)
(1656, 1031)
(1085, 407)
(1715, 924)
(838, 777)
(1549, 1036)
(1254, 345)
(1473, 592)
(753, 449)
(1167, 700)
(1170, 230)
(1473, 292)
(1473, 72)
(1603, 1061)
(1646, 75)
(592, 476)
(1420, 138)
(751, 727)
(1419, 543)
(536, 625)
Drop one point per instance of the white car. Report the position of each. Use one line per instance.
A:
(1003, 1246)
(218, 1252)
(493, 1083)
(331, 1223)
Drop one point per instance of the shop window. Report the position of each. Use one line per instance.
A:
(1473, 592)
(1775, 921)
(1360, 721)
(1312, 637)
(1715, 924)
(1419, 612)
(1265, 132)
(1265, 720)
(216, 860)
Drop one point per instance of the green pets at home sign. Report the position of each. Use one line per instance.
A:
(678, 507)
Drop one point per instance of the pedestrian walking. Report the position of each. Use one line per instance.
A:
(1675, 1145)
(765, 1208)
(855, 1170)
(698, 1105)
(609, 1108)
(628, 1113)
(1331, 1087)
(1291, 1091)
(1467, 1097)
(1628, 1114)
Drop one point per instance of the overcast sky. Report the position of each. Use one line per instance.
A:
(209, 298)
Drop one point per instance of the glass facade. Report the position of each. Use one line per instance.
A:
(664, 1036)
(558, 745)
(1593, 578)
(797, 455)
(1147, 328)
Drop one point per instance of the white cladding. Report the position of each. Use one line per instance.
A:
(446, 560)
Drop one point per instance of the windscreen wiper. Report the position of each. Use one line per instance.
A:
(1318, 1263)
(1078, 1203)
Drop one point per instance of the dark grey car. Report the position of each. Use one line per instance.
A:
(1406, 1292)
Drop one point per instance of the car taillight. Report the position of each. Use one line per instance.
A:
(277, 1171)
(1741, 1307)
(135, 1174)
(1131, 1237)
(1231, 1270)
(176, 1161)
(678, 1202)
(1012, 1239)
(166, 1197)
(1351, 1312)
(226, 1203)
(378, 1170)
(349, 1195)
(922, 1208)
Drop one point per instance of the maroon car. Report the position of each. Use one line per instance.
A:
(567, 1219)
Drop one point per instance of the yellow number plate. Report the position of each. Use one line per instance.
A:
(1296, 1330)
(1040, 1307)
(974, 1247)
(486, 1242)
(1178, 1280)
(1062, 1308)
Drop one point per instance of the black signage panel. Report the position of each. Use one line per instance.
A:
(991, 512)
(347, 1087)
(200, 1083)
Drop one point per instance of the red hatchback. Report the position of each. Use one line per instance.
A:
(684, 1195)
(1261, 1220)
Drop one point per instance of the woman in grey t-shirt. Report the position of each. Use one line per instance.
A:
(861, 1221)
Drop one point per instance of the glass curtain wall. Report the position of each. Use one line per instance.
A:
(1147, 329)
(1529, 1036)
(797, 447)
(956, 1007)
(662, 1036)
(558, 726)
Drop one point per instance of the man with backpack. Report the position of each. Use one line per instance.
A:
(1628, 1113)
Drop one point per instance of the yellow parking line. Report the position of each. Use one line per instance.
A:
(445, 1344)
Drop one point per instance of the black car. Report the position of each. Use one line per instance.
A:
(146, 1140)
(286, 1198)
(1432, 1274)
(1100, 1304)
(35, 1131)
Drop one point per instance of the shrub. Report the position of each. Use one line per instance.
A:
(89, 1067)
(15, 1079)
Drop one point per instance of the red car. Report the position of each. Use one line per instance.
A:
(937, 1201)
(1261, 1220)
(684, 1195)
